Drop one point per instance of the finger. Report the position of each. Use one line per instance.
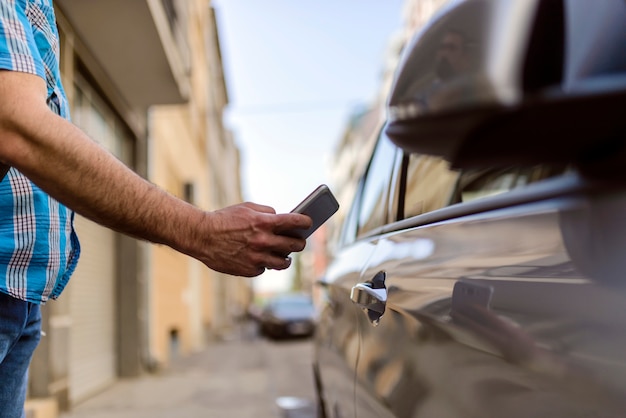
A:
(290, 221)
(276, 262)
(260, 208)
(285, 245)
(258, 271)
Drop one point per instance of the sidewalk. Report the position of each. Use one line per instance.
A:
(230, 379)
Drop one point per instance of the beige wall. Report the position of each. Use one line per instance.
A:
(189, 145)
(176, 158)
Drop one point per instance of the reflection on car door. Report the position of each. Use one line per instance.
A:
(336, 336)
(336, 326)
(483, 313)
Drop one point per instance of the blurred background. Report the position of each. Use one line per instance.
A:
(297, 73)
(217, 102)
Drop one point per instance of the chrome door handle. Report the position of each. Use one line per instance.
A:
(371, 296)
(368, 298)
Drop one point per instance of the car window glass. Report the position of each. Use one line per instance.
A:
(478, 184)
(350, 223)
(490, 184)
(429, 184)
(373, 204)
(292, 306)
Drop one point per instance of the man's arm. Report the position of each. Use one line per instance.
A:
(58, 157)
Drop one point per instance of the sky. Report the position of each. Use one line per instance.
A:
(295, 71)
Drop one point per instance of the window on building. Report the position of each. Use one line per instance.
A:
(170, 11)
(189, 192)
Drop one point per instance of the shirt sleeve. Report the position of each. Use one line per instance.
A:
(18, 48)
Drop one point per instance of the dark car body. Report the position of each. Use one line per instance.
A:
(476, 278)
(288, 316)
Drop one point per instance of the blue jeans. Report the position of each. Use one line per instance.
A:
(20, 331)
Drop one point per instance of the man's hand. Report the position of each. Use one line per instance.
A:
(246, 239)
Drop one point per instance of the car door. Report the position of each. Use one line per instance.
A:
(382, 384)
(336, 337)
(497, 305)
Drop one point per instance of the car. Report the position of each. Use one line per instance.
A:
(480, 270)
(288, 315)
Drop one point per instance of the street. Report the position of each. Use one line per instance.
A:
(245, 376)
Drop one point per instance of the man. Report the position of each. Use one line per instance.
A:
(453, 56)
(53, 161)
(454, 60)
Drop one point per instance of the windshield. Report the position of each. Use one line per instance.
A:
(293, 307)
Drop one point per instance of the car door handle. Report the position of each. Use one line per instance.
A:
(368, 298)
(371, 296)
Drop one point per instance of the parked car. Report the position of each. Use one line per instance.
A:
(481, 268)
(288, 316)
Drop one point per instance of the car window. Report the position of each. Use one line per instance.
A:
(478, 184)
(350, 222)
(292, 305)
(372, 211)
(429, 184)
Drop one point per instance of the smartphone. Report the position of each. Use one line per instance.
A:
(320, 205)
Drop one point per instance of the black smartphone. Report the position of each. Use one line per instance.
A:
(320, 205)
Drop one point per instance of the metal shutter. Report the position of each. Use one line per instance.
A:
(92, 308)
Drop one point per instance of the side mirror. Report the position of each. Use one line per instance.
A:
(491, 83)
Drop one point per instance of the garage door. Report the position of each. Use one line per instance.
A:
(92, 303)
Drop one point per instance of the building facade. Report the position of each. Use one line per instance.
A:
(195, 158)
(144, 78)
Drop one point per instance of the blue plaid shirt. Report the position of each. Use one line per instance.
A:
(38, 246)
